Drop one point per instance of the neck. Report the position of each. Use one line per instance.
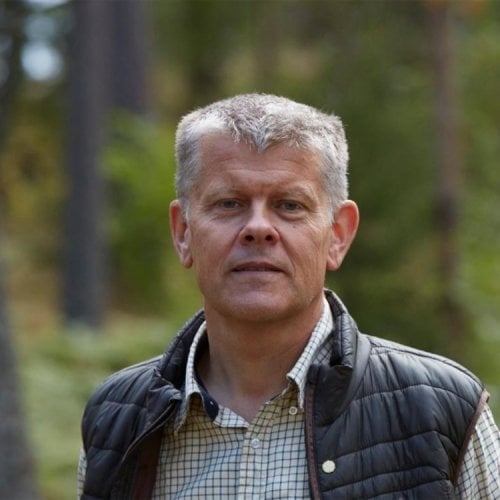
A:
(247, 363)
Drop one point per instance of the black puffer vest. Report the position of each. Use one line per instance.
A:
(382, 420)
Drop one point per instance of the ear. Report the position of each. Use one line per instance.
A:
(344, 229)
(181, 234)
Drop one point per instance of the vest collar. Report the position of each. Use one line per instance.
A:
(334, 385)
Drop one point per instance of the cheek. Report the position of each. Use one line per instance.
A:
(206, 251)
(310, 253)
(318, 252)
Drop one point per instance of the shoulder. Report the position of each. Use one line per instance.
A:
(125, 384)
(420, 393)
(119, 398)
(134, 380)
(405, 366)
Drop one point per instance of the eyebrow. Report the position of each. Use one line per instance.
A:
(299, 191)
(294, 191)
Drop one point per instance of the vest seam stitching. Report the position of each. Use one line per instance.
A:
(429, 431)
(380, 350)
(422, 384)
(392, 472)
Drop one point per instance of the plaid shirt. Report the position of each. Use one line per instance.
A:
(211, 452)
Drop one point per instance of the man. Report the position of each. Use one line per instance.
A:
(271, 391)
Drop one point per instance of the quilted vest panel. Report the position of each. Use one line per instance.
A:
(401, 434)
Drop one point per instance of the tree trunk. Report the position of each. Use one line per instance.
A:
(266, 22)
(12, 18)
(448, 169)
(17, 480)
(107, 70)
(85, 274)
(202, 42)
(129, 58)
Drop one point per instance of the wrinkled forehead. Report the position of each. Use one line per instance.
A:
(230, 169)
(223, 160)
(222, 147)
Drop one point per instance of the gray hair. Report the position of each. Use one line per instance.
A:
(262, 121)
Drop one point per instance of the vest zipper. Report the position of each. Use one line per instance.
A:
(312, 465)
(154, 427)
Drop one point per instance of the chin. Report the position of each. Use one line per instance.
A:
(266, 311)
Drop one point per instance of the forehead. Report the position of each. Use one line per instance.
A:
(220, 154)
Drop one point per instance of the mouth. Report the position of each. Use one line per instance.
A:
(256, 267)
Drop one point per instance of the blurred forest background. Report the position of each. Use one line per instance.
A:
(90, 93)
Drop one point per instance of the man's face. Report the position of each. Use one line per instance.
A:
(259, 235)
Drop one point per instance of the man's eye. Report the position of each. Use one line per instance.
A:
(290, 206)
(229, 204)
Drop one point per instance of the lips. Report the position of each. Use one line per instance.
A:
(256, 267)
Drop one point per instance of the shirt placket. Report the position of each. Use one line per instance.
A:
(254, 461)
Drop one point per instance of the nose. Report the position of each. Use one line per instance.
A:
(258, 227)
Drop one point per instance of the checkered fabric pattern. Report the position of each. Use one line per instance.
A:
(480, 475)
(211, 452)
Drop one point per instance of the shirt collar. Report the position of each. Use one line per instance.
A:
(314, 351)
(191, 384)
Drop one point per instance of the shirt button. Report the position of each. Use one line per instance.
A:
(328, 466)
(293, 410)
(255, 443)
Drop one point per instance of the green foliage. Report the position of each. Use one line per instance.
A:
(60, 370)
(140, 167)
(31, 181)
(389, 278)
(367, 61)
(480, 230)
